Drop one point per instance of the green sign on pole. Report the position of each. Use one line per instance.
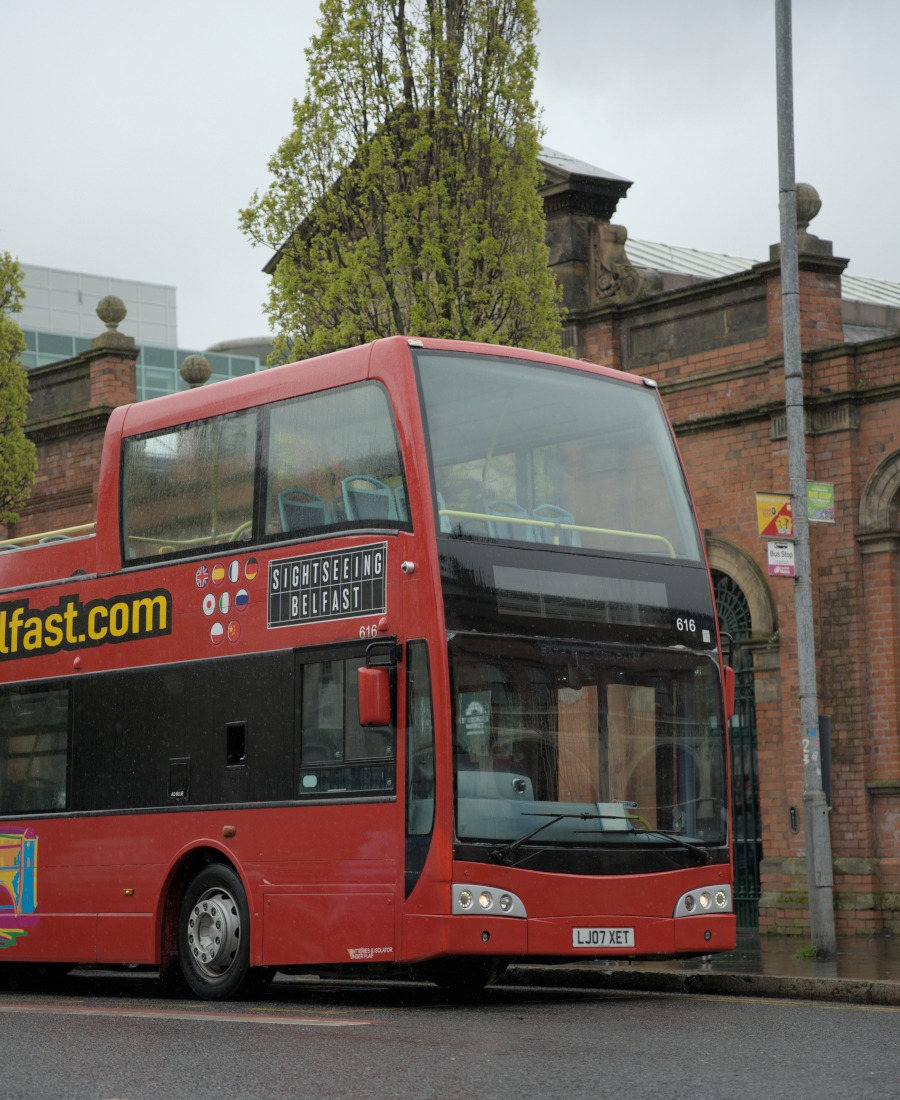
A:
(819, 502)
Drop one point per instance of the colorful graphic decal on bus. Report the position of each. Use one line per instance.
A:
(343, 584)
(70, 624)
(18, 884)
(219, 605)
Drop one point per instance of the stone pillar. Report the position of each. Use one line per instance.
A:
(71, 402)
(820, 281)
(587, 252)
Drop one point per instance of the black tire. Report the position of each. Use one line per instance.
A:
(214, 936)
(466, 977)
(257, 982)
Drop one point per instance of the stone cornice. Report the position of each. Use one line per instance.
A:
(88, 422)
(592, 199)
(110, 351)
(717, 421)
(850, 351)
(878, 542)
(717, 377)
(659, 300)
(825, 264)
(76, 365)
(755, 276)
(832, 412)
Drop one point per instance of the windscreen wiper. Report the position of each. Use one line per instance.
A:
(676, 839)
(504, 854)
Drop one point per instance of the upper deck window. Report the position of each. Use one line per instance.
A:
(329, 461)
(189, 488)
(536, 453)
(333, 460)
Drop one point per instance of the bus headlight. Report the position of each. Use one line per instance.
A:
(705, 899)
(469, 899)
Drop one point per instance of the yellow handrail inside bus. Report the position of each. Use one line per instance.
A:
(168, 545)
(529, 521)
(58, 535)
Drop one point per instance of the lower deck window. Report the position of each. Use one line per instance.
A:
(34, 740)
(338, 756)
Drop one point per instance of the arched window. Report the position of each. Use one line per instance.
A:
(735, 619)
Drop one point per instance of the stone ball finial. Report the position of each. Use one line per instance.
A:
(195, 370)
(808, 205)
(111, 311)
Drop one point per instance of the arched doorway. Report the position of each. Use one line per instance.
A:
(735, 619)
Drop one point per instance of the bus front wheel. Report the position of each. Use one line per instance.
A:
(214, 936)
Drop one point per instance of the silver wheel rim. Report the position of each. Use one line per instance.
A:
(214, 931)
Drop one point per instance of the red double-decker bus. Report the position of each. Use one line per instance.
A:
(402, 655)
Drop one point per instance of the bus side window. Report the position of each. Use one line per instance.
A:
(420, 765)
(333, 459)
(338, 756)
(189, 488)
(34, 742)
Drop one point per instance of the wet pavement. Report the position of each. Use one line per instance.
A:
(876, 958)
(863, 970)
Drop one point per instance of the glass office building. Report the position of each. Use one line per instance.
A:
(157, 367)
(59, 319)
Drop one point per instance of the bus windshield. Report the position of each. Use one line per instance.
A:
(530, 452)
(601, 745)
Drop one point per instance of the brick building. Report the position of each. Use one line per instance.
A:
(714, 345)
(715, 348)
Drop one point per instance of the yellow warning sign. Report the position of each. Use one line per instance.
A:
(774, 515)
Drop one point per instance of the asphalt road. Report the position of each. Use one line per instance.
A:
(119, 1038)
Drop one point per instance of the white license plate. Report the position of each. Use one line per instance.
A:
(602, 937)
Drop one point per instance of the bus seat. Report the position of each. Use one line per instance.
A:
(366, 497)
(556, 535)
(519, 531)
(301, 509)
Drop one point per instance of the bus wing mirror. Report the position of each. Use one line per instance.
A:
(387, 653)
(728, 691)
(727, 646)
(374, 696)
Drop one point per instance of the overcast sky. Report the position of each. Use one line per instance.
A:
(134, 131)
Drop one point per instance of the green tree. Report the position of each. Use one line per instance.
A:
(17, 457)
(405, 200)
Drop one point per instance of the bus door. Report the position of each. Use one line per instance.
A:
(340, 903)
